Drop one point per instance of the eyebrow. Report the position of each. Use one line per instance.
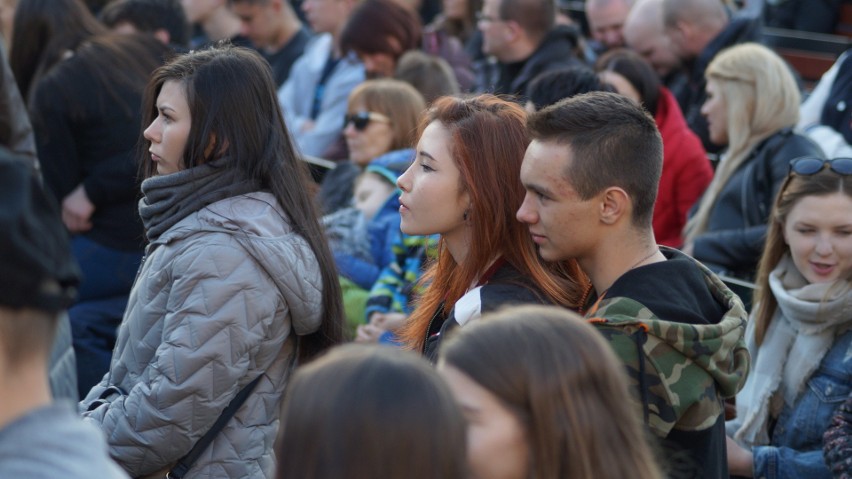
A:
(539, 189)
(427, 155)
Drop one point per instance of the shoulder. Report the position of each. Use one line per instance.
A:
(786, 145)
(255, 214)
(54, 442)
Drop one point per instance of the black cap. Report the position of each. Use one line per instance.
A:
(37, 269)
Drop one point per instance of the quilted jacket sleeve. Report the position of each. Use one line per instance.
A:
(217, 326)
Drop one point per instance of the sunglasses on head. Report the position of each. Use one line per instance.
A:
(361, 120)
(810, 166)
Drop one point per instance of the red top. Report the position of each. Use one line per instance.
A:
(686, 172)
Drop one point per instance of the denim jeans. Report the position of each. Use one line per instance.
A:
(106, 272)
(108, 276)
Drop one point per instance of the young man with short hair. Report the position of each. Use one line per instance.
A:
(591, 175)
(275, 31)
(38, 279)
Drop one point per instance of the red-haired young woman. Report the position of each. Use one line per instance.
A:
(465, 185)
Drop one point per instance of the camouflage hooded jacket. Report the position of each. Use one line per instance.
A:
(685, 365)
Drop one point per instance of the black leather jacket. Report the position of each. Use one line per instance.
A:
(736, 228)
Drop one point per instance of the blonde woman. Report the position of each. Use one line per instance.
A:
(752, 105)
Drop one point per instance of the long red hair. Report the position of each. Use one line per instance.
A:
(489, 140)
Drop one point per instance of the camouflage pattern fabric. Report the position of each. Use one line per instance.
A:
(688, 368)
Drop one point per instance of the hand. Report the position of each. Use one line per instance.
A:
(388, 321)
(367, 333)
(77, 210)
(740, 459)
(307, 126)
(688, 248)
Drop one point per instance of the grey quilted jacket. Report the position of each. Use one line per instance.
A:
(218, 301)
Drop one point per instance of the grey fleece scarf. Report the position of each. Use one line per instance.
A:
(170, 198)
(802, 331)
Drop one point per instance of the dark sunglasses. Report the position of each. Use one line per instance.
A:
(808, 166)
(361, 120)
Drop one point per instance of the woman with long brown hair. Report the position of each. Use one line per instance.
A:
(800, 333)
(364, 412)
(465, 185)
(545, 397)
(237, 285)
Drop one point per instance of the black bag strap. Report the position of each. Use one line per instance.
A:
(186, 462)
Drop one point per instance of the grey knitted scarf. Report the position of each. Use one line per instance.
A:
(170, 198)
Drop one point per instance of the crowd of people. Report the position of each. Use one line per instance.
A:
(551, 253)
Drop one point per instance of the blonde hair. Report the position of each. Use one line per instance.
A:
(761, 97)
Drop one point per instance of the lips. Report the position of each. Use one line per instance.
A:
(822, 269)
(537, 238)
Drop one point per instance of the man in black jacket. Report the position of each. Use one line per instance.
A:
(699, 29)
(521, 37)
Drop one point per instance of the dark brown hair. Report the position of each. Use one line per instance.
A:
(246, 124)
(637, 71)
(44, 31)
(365, 412)
(381, 26)
(613, 142)
(565, 384)
(536, 17)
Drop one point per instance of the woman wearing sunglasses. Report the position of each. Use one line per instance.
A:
(752, 105)
(381, 117)
(465, 185)
(800, 333)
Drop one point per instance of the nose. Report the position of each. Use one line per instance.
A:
(349, 129)
(824, 246)
(152, 132)
(244, 29)
(704, 110)
(403, 182)
(526, 213)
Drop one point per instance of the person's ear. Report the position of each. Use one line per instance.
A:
(162, 35)
(614, 205)
(515, 29)
(683, 29)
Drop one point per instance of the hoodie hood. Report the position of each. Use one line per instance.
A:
(259, 225)
(687, 357)
(392, 165)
